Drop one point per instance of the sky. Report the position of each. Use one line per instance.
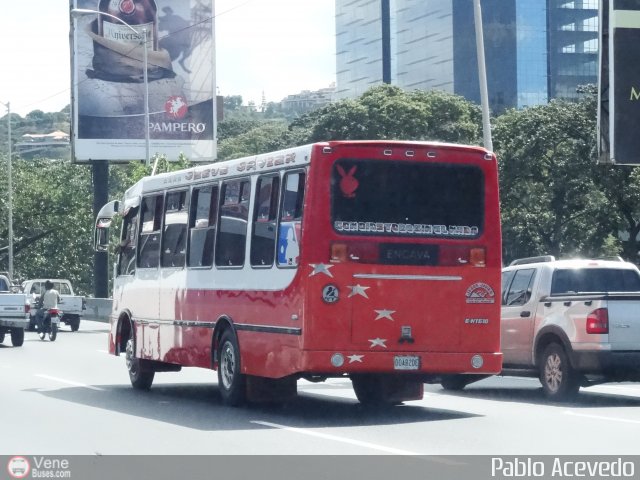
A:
(279, 47)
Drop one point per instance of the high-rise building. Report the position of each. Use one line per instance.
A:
(535, 50)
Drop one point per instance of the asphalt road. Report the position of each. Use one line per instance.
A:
(69, 397)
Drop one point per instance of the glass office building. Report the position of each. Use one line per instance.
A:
(535, 49)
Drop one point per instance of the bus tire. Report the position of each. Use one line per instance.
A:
(455, 383)
(17, 337)
(231, 382)
(1, 337)
(386, 389)
(140, 378)
(559, 380)
(368, 389)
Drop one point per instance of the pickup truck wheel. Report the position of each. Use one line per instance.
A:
(140, 379)
(74, 323)
(231, 382)
(559, 379)
(17, 337)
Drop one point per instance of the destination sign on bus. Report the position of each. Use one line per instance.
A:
(406, 228)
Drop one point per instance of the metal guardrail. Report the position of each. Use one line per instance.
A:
(97, 309)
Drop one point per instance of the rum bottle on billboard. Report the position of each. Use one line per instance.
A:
(139, 14)
(118, 51)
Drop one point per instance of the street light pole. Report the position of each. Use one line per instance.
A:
(143, 40)
(482, 75)
(10, 188)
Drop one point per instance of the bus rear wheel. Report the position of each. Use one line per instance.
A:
(382, 389)
(231, 382)
(140, 378)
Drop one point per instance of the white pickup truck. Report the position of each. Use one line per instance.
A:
(572, 323)
(72, 306)
(14, 313)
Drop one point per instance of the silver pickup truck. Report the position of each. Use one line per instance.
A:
(14, 313)
(572, 323)
(72, 305)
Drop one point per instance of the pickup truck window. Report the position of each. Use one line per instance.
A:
(3, 285)
(506, 281)
(520, 290)
(581, 280)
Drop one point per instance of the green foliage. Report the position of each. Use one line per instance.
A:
(51, 200)
(551, 202)
(388, 112)
(264, 137)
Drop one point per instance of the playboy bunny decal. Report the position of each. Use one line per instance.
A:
(348, 184)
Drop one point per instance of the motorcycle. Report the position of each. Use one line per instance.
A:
(50, 324)
(50, 321)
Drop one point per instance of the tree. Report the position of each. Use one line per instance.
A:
(551, 200)
(388, 112)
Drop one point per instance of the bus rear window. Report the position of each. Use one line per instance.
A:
(372, 197)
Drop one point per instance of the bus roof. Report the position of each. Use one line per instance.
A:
(272, 161)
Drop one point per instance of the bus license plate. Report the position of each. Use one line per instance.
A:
(406, 362)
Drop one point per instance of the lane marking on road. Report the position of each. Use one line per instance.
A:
(601, 417)
(69, 382)
(335, 438)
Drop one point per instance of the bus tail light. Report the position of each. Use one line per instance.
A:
(598, 321)
(355, 252)
(477, 257)
(457, 256)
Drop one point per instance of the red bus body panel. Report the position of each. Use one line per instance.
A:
(446, 315)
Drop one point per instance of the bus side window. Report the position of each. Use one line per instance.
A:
(149, 247)
(203, 219)
(232, 232)
(174, 235)
(263, 237)
(127, 248)
(290, 219)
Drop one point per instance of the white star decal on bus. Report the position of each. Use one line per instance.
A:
(320, 268)
(357, 290)
(384, 314)
(378, 342)
(355, 358)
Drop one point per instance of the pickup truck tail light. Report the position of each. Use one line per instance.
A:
(598, 321)
(27, 308)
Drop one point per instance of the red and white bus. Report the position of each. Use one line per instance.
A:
(376, 260)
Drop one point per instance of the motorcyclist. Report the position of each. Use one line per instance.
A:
(48, 300)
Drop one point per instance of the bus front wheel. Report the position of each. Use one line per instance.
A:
(231, 382)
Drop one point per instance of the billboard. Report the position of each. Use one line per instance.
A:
(619, 85)
(119, 116)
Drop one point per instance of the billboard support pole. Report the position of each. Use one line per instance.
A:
(100, 179)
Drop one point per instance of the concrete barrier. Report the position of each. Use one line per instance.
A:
(98, 309)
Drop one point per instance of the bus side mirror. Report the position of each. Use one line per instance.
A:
(101, 235)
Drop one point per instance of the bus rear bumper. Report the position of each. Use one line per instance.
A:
(426, 363)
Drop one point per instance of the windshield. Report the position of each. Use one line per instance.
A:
(594, 280)
(374, 197)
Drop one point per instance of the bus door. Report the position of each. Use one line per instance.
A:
(144, 299)
(173, 253)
